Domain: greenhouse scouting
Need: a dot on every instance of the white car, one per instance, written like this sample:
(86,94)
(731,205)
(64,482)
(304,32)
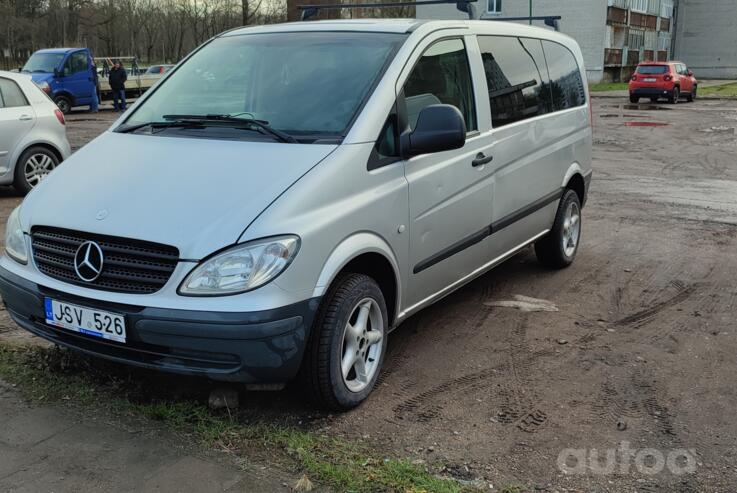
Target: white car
(33,137)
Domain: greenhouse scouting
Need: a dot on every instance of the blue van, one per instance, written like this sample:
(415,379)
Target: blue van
(67,75)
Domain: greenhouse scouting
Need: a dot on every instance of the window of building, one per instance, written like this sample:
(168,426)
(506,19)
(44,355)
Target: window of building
(636,39)
(11,95)
(442,76)
(516,77)
(494,6)
(566,85)
(639,5)
(666,9)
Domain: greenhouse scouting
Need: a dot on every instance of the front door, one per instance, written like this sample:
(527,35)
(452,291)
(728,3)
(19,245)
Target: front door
(449,195)
(16,120)
(78,77)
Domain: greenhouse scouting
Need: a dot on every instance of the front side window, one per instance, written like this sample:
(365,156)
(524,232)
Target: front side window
(306,84)
(441,76)
(10,94)
(566,84)
(494,6)
(516,77)
(77,62)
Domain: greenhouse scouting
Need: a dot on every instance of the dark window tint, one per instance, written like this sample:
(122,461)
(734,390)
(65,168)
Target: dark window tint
(77,62)
(652,69)
(517,78)
(566,84)
(11,95)
(441,76)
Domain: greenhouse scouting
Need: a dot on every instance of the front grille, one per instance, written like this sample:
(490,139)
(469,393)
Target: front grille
(130,266)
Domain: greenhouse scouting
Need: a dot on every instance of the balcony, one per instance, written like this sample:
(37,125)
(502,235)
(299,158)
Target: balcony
(612,57)
(616,15)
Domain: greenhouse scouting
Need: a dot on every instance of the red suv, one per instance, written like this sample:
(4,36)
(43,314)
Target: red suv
(655,80)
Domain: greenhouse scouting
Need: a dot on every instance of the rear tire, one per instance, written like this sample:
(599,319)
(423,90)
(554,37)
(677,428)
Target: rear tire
(64,104)
(558,249)
(349,332)
(32,167)
(634,99)
(673,99)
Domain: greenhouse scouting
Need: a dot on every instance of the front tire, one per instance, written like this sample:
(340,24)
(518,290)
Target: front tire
(347,345)
(32,167)
(558,249)
(692,96)
(64,104)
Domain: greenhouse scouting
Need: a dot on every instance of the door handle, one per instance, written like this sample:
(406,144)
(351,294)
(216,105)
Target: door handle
(24,118)
(481,160)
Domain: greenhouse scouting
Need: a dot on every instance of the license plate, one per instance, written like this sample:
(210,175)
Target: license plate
(650,79)
(90,321)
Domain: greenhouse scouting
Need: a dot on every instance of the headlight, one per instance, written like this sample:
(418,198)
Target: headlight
(241,268)
(15,241)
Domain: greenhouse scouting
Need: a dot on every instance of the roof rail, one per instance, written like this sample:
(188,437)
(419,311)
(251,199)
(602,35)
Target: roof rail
(309,11)
(550,20)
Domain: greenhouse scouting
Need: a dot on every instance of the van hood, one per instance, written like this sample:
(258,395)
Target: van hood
(195,194)
(39,77)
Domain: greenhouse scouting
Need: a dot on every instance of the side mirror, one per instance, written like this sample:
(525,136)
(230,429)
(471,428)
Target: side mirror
(58,73)
(440,127)
(690,72)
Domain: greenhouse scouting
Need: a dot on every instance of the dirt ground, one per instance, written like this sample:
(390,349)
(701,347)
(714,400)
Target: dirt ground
(639,355)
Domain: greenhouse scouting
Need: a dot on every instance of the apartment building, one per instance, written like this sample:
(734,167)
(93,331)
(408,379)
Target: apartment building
(706,37)
(615,35)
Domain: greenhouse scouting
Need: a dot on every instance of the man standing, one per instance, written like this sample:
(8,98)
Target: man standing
(95,103)
(117,79)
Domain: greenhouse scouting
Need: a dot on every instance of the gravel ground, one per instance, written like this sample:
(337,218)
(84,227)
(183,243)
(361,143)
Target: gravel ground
(639,355)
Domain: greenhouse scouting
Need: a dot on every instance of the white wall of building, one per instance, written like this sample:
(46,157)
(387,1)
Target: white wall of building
(584,20)
(706,37)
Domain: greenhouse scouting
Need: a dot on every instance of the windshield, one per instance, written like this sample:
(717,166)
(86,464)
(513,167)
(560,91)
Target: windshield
(652,69)
(303,83)
(43,62)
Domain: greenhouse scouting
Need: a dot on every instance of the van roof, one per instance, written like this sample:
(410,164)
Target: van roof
(58,50)
(393,26)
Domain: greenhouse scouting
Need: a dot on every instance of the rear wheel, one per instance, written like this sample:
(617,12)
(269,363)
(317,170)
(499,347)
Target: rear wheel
(32,167)
(64,104)
(558,249)
(347,346)
(675,96)
(634,99)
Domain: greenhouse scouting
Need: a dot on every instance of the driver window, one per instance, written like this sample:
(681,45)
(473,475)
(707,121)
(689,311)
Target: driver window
(77,62)
(441,76)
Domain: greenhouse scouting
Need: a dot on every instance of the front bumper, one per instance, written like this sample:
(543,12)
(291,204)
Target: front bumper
(251,347)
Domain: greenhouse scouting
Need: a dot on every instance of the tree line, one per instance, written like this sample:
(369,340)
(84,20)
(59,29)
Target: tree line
(152,30)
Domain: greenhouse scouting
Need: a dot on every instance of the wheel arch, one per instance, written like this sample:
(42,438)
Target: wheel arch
(27,145)
(574,180)
(369,254)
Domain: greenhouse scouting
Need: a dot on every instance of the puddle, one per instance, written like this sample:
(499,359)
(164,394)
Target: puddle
(525,304)
(639,107)
(719,129)
(645,124)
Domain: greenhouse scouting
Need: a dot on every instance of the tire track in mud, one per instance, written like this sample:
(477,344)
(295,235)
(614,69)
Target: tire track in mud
(509,383)
(647,314)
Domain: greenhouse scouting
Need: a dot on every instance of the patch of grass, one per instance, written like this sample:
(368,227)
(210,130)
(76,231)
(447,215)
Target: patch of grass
(725,90)
(512,488)
(608,86)
(48,375)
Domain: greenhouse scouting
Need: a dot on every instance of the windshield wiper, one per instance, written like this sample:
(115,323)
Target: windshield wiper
(204,119)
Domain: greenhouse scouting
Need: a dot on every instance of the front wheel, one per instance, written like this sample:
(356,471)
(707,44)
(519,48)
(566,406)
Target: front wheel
(346,349)
(558,249)
(64,104)
(692,96)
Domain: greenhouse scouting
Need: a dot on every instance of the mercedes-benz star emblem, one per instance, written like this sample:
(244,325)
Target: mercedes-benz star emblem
(88,261)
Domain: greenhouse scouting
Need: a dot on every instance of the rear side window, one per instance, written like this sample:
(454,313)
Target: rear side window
(566,84)
(516,77)
(442,76)
(10,94)
(652,69)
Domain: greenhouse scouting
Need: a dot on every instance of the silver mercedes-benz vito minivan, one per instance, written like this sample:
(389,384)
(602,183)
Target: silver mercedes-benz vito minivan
(289,194)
